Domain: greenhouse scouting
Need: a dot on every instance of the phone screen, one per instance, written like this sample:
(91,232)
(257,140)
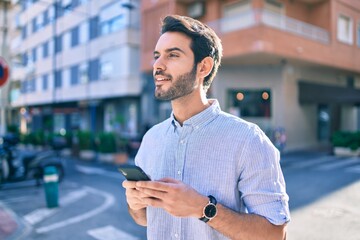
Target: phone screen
(133,173)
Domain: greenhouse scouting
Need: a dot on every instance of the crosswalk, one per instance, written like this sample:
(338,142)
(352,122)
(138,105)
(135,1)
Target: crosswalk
(326,163)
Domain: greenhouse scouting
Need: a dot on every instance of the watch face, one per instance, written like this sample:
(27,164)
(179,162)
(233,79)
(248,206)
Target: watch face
(210,211)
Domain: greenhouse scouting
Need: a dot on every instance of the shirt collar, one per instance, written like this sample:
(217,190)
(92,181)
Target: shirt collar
(201,118)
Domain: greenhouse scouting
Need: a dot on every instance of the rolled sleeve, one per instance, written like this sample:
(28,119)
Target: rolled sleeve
(261,181)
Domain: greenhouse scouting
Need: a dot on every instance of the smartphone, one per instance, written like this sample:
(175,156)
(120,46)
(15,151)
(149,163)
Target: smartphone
(133,173)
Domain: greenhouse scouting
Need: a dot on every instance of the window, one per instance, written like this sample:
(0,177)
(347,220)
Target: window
(24,59)
(23,87)
(345,29)
(237,15)
(74,75)
(34,25)
(24,32)
(32,85)
(74,36)
(58,44)
(113,25)
(45,48)
(106,69)
(46,19)
(34,55)
(250,103)
(94,28)
(113,17)
(59,11)
(45,81)
(58,79)
(94,69)
(51,13)
(75,3)
(67,6)
(274,6)
(83,73)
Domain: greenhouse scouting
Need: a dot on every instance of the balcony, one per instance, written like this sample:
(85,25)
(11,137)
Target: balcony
(264,17)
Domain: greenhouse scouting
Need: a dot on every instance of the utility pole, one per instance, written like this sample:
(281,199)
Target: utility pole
(4,53)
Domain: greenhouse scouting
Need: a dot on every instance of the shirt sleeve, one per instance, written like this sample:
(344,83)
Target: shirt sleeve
(261,183)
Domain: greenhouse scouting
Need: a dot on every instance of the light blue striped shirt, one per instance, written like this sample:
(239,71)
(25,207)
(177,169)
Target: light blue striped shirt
(219,154)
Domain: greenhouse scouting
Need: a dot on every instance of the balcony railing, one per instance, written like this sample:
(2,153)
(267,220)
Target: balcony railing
(265,17)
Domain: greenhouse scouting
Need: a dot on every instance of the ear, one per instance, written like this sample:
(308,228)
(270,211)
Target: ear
(205,67)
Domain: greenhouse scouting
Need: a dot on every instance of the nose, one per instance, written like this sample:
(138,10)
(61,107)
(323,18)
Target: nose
(159,64)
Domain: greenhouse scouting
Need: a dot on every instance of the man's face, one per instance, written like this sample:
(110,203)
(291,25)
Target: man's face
(174,70)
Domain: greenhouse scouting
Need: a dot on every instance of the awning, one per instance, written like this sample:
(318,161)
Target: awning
(320,93)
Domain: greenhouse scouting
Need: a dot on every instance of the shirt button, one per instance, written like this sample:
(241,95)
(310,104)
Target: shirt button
(182,141)
(179,172)
(176,235)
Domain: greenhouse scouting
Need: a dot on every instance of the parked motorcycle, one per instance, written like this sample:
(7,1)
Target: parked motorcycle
(19,165)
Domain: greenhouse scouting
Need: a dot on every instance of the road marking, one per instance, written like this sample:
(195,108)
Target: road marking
(39,215)
(337,164)
(99,171)
(110,233)
(109,201)
(89,170)
(311,162)
(354,169)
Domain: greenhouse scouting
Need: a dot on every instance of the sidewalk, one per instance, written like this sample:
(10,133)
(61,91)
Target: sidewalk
(11,227)
(295,156)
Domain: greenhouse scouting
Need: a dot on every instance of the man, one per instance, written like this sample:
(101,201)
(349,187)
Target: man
(215,176)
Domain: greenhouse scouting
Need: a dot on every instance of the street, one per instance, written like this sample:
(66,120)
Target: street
(324,195)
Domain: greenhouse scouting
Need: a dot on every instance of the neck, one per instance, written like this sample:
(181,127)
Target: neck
(188,106)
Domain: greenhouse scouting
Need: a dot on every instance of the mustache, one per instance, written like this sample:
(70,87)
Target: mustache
(161,73)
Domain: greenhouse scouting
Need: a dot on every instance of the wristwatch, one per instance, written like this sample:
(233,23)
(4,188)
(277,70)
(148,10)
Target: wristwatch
(209,211)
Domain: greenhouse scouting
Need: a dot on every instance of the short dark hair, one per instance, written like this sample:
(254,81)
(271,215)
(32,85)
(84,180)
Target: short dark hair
(204,41)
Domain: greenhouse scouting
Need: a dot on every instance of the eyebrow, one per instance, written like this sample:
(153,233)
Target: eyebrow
(170,50)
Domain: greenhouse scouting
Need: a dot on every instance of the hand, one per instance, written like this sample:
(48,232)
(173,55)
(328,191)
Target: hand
(134,198)
(173,196)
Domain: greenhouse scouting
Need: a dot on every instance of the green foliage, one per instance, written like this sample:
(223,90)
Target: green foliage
(107,142)
(346,139)
(13,129)
(85,139)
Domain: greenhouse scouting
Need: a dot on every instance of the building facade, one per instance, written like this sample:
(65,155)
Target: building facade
(76,66)
(291,66)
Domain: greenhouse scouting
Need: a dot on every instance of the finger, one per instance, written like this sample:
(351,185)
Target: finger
(129,184)
(153,193)
(154,185)
(169,180)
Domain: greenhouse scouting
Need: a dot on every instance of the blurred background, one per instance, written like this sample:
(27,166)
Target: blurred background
(76,75)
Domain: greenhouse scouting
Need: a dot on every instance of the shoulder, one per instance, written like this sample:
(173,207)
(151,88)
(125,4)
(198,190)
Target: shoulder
(158,129)
(238,125)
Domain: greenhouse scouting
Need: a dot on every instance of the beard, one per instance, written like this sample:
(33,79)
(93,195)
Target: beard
(182,86)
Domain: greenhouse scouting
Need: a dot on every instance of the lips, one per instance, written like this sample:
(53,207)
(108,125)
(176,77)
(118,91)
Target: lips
(161,78)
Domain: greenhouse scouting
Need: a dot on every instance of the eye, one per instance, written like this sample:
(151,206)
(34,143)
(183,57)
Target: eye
(172,55)
(156,57)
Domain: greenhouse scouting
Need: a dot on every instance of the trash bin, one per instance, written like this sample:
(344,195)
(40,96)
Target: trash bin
(51,186)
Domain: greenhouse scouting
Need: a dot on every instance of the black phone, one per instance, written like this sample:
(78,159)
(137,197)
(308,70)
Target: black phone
(133,173)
